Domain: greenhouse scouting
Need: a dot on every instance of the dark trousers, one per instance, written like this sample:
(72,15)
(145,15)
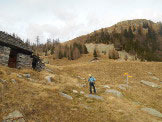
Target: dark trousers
(92,85)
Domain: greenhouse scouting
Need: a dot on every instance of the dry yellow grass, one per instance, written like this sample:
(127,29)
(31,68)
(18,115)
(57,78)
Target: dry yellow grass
(40,101)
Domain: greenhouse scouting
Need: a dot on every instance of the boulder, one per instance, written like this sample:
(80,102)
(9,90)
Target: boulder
(152,112)
(75,91)
(114,92)
(106,86)
(94,96)
(49,70)
(150,73)
(46,61)
(13,80)
(85,106)
(32,80)
(136,103)
(1,80)
(48,78)
(65,95)
(83,85)
(18,75)
(15,116)
(81,78)
(26,75)
(151,84)
(123,86)
(81,92)
(155,78)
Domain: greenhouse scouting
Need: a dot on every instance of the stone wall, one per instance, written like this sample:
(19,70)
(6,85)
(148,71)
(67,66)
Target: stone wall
(4,55)
(24,61)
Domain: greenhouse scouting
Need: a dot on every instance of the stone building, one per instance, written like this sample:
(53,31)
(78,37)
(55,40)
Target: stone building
(15,53)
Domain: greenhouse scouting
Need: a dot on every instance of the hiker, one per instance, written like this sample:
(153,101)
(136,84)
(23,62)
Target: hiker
(91,83)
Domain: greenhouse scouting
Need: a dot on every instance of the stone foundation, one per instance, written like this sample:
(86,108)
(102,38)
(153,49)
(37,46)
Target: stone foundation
(4,55)
(24,61)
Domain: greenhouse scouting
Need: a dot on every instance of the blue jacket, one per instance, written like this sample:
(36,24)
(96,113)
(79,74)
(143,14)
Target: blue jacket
(91,79)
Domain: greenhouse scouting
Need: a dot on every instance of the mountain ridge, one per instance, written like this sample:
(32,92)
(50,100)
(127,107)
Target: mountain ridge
(125,34)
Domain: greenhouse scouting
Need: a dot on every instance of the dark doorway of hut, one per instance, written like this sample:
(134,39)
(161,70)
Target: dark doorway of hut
(12,59)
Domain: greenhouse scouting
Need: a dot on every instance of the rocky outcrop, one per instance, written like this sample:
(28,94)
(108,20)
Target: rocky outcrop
(114,92)
(152,111)
(151,84)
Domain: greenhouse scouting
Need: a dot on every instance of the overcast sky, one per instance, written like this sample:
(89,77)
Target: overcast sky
(67,19)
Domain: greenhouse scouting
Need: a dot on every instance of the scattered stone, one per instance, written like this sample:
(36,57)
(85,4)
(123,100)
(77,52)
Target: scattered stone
(86,107)
(82,85)
(49,78)
(111,97)
(13,80)
(94,59)
(106,86)
(46,61)
(26,75)
(150,73)
(114,92)
(137,103)
(152,112)
(121,111)
(75,91)
(78,76)
(160,81)
(49,70)
(74,109)
(123,86)
(94,96)
(155,78)
(31,79)
(1,80)
(81,78)
(148,83)
(15,116)
(65,95)
(18,75)
(81,92)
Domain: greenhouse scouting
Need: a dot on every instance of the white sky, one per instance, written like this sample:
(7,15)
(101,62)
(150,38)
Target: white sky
(67,19)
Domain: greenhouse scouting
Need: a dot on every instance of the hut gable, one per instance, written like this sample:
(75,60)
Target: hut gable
(14,52)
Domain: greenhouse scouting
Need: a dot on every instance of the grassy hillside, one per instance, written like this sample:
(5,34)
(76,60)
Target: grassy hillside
(138,37)
(40,100)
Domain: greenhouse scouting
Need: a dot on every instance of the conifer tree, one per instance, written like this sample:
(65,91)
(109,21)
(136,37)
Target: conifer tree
(160,30)
(52,50)
(95,54)
(85,49)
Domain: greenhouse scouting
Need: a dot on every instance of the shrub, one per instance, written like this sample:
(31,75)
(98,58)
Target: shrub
(95,53)
(126,58)
(113,54)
